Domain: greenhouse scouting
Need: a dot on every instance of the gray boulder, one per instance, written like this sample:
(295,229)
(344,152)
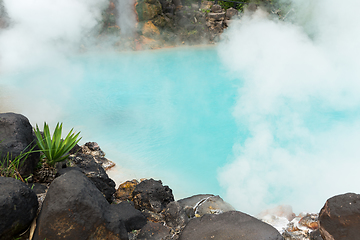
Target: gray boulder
(206,204)
(75,209)
(18,206)
(16,136)
(228,226)
(340,217)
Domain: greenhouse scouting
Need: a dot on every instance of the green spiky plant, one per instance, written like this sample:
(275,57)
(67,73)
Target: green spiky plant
(55,149)
(10,167)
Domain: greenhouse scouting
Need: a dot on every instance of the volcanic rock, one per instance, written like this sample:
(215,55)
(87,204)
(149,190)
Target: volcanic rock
(147,10)
(216,8)
(231,12)
(150,30)
(175,215)
(18,206)
(16,136)
(132,218)
(152,195)
(216,16)
(125,190)
(154,231)
(340,217)
(229,225)
(206,204)
(75,209)
(316,235)
(95,172)
(206,5)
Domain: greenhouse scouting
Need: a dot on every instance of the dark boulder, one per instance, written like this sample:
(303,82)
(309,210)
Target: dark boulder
(154,231)
(316,235)
(75,209)
(38,188)
(152,195)
(340,217)
(228,226)
(132,218)
(18,206)
(16,137)
(96,173)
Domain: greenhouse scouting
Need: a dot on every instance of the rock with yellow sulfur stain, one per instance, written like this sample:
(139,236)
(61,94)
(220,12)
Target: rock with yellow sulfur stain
(150,30)
(125,190)
(147,10)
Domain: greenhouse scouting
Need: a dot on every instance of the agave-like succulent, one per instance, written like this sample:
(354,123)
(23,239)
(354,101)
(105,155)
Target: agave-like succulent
(55,149)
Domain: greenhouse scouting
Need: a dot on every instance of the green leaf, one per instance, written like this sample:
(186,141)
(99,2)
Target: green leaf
(55,148)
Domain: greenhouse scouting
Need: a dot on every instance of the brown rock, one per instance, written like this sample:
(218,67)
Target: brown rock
(216,16)
(206,5)
(125,190)
(147,11)
(216,8)
(231,12)
(340,218)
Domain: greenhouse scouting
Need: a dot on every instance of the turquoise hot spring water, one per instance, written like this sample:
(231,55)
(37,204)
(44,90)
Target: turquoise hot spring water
(171,115)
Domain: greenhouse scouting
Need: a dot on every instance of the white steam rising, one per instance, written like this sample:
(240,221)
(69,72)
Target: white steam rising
(299,101)
(127,17)
(41,34)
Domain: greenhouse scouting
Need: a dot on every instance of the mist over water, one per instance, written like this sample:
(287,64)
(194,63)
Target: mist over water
(300,105)
(127,17)
(271,114)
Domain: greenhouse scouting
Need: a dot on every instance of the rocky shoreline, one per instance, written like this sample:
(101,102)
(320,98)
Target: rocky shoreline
(79,201)
(158,24)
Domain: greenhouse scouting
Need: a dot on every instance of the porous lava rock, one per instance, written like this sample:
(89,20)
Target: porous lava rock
(152,195)
(228,226)
(340,217)
(154,231)
(316,235)
(95,172)
(75,209)
(175,215)
(16,136)
(125,190)
(147,9)
(18,206)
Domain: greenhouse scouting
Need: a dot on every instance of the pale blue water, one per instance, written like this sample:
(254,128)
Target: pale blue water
(165,114)
(168,114)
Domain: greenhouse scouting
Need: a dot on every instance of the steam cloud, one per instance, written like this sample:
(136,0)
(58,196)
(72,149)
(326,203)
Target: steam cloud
(127,17)
(299,100)
(41,35)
